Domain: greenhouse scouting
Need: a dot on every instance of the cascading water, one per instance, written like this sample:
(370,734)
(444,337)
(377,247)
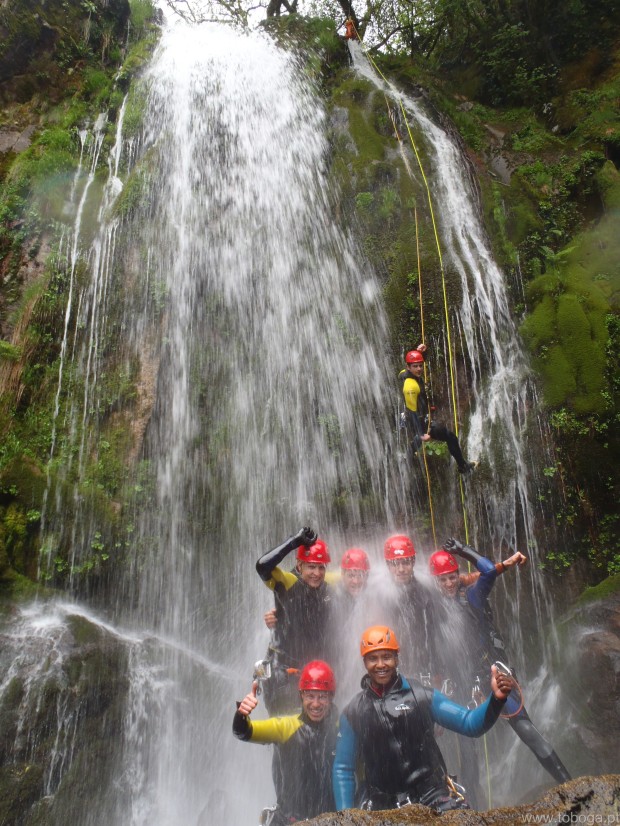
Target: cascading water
(256,339)
(500,501)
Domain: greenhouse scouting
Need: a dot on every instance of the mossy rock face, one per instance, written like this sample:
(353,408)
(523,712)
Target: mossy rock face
(602,591)
(77,671)
(567,326)
(39,41)
(21,785)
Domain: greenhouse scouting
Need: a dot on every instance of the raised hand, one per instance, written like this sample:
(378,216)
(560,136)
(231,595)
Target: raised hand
(250,701)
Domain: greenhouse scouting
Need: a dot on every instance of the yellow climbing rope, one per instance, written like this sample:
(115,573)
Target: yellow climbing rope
(443,284)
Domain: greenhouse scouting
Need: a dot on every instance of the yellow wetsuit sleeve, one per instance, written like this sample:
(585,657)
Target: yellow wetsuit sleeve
(411,391)
(275,729)
(280,577)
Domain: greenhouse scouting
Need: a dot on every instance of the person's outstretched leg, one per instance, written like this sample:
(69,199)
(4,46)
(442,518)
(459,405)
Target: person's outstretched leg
(533,739)
(440,432)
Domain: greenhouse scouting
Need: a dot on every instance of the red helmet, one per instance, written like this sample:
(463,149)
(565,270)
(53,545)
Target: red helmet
(398,546)
(318,553)
(355,559)
(378,638)
(317,676)
(414,357)
(441,562)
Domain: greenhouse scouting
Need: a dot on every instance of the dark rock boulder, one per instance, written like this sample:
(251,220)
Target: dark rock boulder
(583,800)
(591,674)
(62,706)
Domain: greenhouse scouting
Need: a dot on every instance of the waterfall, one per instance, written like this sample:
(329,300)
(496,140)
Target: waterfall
(247,344)
(502,433)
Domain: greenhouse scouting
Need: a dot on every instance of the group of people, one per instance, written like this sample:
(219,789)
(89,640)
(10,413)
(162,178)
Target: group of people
(432,658)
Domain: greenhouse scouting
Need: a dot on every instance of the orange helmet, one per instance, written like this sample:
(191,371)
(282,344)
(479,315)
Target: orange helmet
(398,546)
(378,638)
(317,553)
(355,559)
(442,562)
(317,676)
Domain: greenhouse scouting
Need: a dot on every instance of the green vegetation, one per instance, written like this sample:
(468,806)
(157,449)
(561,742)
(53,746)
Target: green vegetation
(81,78)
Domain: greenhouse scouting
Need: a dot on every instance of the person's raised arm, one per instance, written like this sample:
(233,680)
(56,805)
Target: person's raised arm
(242,727)
(478,594)
(270,560)
(517,559)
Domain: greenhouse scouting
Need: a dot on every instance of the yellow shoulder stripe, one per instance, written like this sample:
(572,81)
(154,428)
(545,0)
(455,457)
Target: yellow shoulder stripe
(275,730)
(285,578)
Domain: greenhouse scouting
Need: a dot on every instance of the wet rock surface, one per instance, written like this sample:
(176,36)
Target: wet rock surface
(591,676)
(584,800)
(62,700)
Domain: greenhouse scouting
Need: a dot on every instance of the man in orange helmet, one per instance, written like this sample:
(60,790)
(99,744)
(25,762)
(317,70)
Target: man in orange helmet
(302,604)
(386,733)
(304,745)
(417,411)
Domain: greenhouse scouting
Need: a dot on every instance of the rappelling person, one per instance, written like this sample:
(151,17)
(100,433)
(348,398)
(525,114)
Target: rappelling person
(387,755)
(420,427)
(304,745)
(470,642)
(405,604)
(350,32)
(302,600)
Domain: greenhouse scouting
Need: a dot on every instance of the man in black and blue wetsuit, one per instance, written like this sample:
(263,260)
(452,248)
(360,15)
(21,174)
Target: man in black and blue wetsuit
(302,602)
(469,642)
(387,735)
(304,745)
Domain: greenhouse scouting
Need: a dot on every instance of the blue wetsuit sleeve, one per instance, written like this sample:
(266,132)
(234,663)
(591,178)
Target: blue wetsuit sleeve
(470,722)
(478,594)
(343,773)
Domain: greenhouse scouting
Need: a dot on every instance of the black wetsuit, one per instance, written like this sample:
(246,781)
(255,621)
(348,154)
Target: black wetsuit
(408,609)
(302,762)
(390,736)
(466,623)
(301,630)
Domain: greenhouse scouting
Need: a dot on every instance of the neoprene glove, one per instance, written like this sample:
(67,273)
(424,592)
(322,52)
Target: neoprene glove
(453,546)
(306,536)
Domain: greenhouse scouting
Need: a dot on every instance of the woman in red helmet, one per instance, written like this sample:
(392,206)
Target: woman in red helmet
(469,641)
(387,755)
(417,411)
(304,745)
(302,602)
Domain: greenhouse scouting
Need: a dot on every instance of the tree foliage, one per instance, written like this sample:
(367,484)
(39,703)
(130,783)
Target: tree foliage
(518,46)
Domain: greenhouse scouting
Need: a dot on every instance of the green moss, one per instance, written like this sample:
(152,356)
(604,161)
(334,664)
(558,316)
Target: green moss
(604,589)
(8,351)
(608,181)
(133,194)
(558,374)
(539,327)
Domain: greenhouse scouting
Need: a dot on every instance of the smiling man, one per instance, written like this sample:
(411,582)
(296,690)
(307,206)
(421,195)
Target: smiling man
(302,601)
(387,734)
(304,745)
